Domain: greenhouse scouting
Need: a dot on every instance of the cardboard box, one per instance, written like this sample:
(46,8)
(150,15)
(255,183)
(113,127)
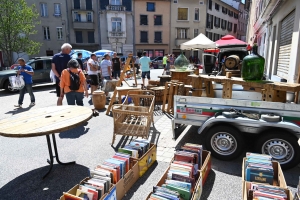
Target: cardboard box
(147,159)
(279,179)
(206,165)
(247,187)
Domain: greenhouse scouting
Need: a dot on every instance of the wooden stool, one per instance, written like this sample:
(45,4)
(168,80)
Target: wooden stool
(99,99)
(164,79)
(159,95)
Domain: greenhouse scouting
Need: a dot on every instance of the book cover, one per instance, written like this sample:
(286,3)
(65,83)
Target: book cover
(90,190)
(68,196)
(184,194)
(84,195)
(178,177)
(112,170)
(114,166)
(184,185)
(126,160)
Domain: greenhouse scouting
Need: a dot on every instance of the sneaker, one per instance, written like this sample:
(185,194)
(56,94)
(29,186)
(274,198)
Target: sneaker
(32,104)
(18,106)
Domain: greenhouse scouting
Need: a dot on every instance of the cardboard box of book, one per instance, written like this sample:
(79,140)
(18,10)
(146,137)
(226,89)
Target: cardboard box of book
(206,165)
(265,192)
(147,159)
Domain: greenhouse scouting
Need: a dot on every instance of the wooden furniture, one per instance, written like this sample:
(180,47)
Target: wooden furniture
(99,99)
(181,76)
(110,85)
(134,116)
(122,91)
(171,88)
(271,91)
(159,95)
(163,79)
(122,78)
(45,121)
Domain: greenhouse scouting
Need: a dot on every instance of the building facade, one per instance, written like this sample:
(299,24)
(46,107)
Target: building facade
(276,31)
(152,27)
(83,24)
(116,25)
(188,19)
(222,19)
(52,31)
(242,22)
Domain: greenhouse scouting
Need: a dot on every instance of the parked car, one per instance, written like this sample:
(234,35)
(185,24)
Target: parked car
(41,67)
(157,62)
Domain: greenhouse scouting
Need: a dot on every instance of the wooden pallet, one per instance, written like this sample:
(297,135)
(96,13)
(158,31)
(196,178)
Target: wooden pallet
(171,88)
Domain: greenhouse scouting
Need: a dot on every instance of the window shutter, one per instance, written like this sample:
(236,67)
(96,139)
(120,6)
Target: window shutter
(103,4)
(91,38)
(127,4)
(88,4)
(76,4)
(78,35)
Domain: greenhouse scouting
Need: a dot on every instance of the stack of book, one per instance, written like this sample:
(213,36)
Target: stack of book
(266,192)
(182,175)
(136,149)
(259,168)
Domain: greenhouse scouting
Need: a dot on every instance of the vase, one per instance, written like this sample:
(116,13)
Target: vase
(253,66)
(181,63)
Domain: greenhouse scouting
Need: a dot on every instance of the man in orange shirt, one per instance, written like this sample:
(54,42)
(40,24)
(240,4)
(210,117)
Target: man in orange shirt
(73,84)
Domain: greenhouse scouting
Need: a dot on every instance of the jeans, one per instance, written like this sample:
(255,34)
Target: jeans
(28,88)
(73,97)
(117,73)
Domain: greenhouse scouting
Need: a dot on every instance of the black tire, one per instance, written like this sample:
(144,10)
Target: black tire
(8,88)
(228,136)
(283,142)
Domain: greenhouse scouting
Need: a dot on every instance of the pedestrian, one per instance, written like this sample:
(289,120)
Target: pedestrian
(73,84)
(92,68)
(116,62)
(136,65)
(172,60)
(106,69)
(27,72)
(165,58)
(145,67)
(79,57)
(59,63)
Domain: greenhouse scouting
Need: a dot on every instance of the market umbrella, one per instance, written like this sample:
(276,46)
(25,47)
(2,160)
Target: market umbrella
(102,52)
(229,40)
(199,42)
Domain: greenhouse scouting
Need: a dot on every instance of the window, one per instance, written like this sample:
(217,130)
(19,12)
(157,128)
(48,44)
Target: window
(209,4)
(78,35)
(37,65)
(196,14)
(217,22)
(91,38)
(157,20)
(230,13)
(224,10)
(209,35)
(159,53)
(224,24)
(236,16)
(59,33)
(143,19)
(150,7)
(76,4)
(46,32)
(209,23)
(116,24)
(217,7)
(234,28)
(44,10)
(175,1)
(157,37)
(196,32)
(115,2)
(57,10)
(216,36)
(181,33)
(77,17)
(88,5)
(144,36)
(182,14)
(229,28)
(89,17)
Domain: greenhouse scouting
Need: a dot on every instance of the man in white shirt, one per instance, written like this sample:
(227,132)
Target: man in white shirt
(92,68)
(106,68)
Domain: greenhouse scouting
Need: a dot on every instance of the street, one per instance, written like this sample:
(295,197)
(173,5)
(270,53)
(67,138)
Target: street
(23,160)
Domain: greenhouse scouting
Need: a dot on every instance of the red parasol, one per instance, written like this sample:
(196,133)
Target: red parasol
(211,50)
(229,40)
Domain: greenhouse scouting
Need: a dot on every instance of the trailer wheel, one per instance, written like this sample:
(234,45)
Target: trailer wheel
(283,148)
(225,143)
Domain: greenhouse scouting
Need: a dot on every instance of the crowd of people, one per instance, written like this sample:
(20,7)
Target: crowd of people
(70,80)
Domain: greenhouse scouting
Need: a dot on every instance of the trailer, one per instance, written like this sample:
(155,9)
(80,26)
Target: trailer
(228,123)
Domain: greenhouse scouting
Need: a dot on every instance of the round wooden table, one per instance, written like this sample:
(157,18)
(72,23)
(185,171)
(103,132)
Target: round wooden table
(45,121)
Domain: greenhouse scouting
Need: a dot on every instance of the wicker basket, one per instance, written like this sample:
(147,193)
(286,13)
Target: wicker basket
(134,116)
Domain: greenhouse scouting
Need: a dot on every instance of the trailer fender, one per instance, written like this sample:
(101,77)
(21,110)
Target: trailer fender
(212,121)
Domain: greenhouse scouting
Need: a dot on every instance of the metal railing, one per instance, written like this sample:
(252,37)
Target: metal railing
(116,8)
(116,33)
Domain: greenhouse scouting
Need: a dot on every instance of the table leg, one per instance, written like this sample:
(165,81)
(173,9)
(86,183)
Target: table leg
(51,154)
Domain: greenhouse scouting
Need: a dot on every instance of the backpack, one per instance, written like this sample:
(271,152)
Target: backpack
(74,80)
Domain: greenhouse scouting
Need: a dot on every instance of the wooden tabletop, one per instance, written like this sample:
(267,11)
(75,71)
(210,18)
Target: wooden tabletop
(127,88)
(44,121)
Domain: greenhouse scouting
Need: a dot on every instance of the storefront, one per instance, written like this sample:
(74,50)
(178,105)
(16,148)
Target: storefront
(153,51)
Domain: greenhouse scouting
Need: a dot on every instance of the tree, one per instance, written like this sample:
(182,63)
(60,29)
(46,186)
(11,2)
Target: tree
(17,23)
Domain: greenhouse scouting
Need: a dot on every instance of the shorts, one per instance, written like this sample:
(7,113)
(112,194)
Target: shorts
(94,79)
(144,74)
(107,77)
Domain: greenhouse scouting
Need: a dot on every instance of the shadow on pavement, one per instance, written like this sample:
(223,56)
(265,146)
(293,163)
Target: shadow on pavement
(75,132)
(18,110)
(207,185)
(31,185)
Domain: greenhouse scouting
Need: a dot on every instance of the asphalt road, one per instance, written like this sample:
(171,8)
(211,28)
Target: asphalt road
(23,160)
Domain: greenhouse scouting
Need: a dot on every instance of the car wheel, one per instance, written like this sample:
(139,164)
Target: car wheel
(283,148)
(225,143)
(8,87)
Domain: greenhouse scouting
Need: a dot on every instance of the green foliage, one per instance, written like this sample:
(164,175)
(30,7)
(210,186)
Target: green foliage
(17,23)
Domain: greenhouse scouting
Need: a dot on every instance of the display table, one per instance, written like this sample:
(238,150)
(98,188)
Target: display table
(181,76)
(45,121)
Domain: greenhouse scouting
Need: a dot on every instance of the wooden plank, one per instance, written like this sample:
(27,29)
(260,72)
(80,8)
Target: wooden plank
(209,89)
(165,96)
(197,86)
(227,90)
(171,93)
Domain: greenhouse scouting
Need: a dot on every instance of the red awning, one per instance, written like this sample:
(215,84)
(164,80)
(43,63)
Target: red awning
(211,50)
(228,40)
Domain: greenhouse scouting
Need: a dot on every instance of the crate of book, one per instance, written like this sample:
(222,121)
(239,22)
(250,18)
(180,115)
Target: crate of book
(256,191)
(297,195)
(142,151)
(184,177)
